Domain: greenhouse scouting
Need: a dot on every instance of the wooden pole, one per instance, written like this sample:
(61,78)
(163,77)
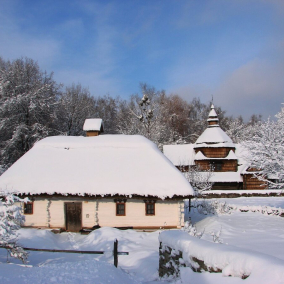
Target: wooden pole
(115,256)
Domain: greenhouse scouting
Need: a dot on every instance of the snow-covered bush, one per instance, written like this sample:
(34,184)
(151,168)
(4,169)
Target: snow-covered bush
(221,207)
(217,236)
(10,221)
(191,230)
(211,206)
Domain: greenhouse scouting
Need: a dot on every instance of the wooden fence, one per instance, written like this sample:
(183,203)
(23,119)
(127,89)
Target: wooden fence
(116,253)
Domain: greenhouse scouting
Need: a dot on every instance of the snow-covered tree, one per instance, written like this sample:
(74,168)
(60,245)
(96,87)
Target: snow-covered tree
(28,99)
(106,108)
(199,179)
(265,151)
(240,131)
(10,221)
(174,116)
(75,105)
(143,115)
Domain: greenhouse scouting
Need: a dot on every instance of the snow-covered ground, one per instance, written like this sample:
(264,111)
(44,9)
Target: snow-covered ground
(249,230)
(45,267)
(252,231)
(246,230)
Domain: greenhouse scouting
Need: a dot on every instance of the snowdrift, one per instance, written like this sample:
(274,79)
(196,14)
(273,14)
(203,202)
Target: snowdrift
(231,260)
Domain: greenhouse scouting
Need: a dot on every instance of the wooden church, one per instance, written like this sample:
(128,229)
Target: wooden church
(214,150)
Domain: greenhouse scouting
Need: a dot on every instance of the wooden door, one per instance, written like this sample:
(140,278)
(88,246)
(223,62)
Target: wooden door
(73,216)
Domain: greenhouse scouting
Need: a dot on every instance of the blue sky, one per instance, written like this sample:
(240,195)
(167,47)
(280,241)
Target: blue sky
(231,49)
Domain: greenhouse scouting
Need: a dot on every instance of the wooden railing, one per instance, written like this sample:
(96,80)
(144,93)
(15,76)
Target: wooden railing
(116,253)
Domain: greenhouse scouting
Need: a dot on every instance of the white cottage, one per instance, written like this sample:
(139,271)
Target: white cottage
(108,180)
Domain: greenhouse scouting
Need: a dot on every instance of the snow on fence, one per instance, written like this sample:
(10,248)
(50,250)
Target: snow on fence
(242,193)
(267,210)
(216,207)
(178,249)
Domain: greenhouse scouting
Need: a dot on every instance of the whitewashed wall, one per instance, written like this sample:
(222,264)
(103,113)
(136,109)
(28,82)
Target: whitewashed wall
(167,213)
(40,217)
(50,213)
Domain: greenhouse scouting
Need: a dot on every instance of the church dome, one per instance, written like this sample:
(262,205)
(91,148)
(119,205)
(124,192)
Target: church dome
(214,135)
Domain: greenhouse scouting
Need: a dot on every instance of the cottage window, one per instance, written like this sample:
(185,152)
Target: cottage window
(120,207)
(28,208)
(149,207)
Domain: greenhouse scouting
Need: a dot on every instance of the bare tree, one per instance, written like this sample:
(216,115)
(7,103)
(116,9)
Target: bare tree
(76,104)
(142,115)
(199,179)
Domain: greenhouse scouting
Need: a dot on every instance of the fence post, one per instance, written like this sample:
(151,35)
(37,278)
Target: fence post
(115,257)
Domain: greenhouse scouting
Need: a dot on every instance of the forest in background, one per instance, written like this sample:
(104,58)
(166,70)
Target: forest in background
(33,106)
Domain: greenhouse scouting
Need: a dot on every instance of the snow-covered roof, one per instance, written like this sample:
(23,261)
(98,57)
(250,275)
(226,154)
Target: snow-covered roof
(241,153)
(180,155)
(231,156)
(213,119)
(213,135)
(218,145)
(184,155)
(93,124)
(212,112)
(101,165)
(200,156)
(226,177)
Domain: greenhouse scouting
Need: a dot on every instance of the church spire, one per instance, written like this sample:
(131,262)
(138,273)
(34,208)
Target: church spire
(213,120)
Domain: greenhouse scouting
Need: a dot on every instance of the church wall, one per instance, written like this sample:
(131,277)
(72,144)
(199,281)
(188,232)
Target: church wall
(219,166)
(227,186)
(213,152)
(251,182)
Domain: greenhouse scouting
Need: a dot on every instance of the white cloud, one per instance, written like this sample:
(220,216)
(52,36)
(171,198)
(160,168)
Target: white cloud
(256,87)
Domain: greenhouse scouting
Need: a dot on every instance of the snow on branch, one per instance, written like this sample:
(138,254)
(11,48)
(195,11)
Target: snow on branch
(11,219)
(265,151)
(199,179)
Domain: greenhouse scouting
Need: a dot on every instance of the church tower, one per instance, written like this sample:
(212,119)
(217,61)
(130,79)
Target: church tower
(214,149)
